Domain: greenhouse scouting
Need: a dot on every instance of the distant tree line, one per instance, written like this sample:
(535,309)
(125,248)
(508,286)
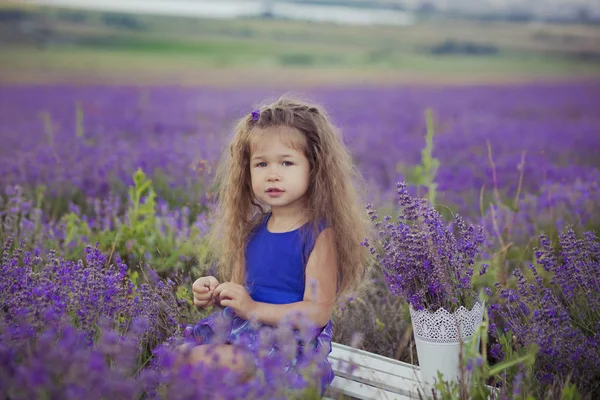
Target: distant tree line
(452,47)
(112,19)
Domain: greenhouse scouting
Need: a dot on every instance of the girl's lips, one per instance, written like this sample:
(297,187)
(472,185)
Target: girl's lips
(274,193)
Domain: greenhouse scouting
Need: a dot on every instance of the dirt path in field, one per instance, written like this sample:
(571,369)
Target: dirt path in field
(263,77)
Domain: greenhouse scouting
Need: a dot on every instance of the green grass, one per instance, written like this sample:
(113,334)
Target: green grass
(178,45)
(160,55)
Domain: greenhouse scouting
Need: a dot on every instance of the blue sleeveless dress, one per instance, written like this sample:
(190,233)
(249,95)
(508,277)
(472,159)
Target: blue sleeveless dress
(275,264)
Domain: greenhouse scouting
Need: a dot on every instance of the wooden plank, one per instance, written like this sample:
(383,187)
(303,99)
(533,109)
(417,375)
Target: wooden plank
(359,390)
(403,369)
(375,362)
(381,379)
(373,370)
(384,382)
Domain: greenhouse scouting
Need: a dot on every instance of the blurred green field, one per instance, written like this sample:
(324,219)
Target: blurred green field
(59,45)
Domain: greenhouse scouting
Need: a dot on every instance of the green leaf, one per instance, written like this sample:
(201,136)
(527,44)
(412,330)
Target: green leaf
(527,358)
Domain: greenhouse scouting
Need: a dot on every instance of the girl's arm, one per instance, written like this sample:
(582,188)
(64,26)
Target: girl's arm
(321,284)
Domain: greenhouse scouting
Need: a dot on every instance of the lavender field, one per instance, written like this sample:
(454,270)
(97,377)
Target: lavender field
(521,161)
(90,139)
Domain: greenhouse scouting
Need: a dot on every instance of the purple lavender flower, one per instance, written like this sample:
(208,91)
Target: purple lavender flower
(426,261)
(559,310)
(84,330)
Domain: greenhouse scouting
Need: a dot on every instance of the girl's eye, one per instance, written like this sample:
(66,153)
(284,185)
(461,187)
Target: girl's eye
(264,164)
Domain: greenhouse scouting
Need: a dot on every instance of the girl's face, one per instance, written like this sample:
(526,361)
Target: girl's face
(279,170)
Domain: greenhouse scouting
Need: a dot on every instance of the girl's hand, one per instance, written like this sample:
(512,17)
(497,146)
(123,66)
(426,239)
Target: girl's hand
(235,296)
(203,290)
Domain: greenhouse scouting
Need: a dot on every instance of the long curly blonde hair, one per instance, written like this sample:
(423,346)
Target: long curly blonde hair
(332,195)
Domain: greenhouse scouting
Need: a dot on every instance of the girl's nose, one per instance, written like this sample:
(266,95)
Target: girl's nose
(273,177)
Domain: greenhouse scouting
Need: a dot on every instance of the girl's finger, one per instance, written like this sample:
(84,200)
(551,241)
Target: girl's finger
(219,289)
(202,289)
(227,303)
(199,303)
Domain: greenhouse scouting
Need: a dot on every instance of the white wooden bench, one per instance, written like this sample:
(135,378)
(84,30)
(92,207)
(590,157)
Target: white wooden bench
(375,376)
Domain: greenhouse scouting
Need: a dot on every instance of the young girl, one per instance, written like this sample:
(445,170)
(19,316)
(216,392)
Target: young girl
(287,233)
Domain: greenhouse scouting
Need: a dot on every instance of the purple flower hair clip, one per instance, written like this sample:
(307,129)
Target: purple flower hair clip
(255,115)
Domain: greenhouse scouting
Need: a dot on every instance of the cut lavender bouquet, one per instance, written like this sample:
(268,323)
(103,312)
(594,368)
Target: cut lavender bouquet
(430,264)
(426,261)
